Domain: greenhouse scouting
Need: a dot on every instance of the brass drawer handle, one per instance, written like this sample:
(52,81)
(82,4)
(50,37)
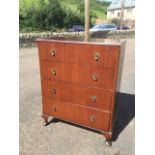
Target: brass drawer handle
(94,77)
(53,91)
(53,52)
(54,109)
(93,98)
(96,56)
(53,71)
(92,118)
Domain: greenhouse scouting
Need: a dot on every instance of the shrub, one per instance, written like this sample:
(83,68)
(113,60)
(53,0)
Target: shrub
(73,18)
(47,15)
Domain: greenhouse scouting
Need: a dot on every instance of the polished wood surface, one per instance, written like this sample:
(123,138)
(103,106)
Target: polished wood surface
(90,75)
(70,112)
(63,53)
(78,82)
(89,96)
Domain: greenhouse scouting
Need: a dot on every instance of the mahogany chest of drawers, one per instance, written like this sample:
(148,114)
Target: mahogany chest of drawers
(78,81)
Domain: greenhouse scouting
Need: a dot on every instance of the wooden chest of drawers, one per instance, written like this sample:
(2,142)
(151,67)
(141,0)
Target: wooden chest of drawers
(78,82)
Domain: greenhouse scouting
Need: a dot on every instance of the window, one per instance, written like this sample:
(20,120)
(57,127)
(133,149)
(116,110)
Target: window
(111,26)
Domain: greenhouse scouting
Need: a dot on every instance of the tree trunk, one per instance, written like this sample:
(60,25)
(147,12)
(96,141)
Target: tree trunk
(87,5)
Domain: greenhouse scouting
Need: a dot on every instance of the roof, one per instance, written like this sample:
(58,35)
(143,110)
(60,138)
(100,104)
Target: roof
(116,4)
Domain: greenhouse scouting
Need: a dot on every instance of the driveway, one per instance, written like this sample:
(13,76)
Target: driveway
(61,138)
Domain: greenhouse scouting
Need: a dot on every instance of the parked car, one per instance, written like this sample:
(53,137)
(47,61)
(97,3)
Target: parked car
(76,28)
(124,27)
(103,27)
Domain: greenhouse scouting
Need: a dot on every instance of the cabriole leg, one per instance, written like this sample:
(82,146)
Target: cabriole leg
(45,117)
(108,137)
(108,142)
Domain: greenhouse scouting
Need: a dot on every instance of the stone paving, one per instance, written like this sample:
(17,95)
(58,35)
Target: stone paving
(61,138)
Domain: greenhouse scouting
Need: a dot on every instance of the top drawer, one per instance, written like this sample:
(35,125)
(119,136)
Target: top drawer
(84,54)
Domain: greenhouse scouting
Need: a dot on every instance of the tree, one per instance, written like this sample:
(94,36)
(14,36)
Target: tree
(55,14)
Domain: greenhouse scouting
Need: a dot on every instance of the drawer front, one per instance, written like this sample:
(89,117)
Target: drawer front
(58,71)
(59,109)
(51,52)
(98,77)
(93,118)
(103,56)
(93,76)
(77,94)
(61,53)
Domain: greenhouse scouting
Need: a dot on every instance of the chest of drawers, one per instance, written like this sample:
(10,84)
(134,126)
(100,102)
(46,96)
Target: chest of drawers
(78,81)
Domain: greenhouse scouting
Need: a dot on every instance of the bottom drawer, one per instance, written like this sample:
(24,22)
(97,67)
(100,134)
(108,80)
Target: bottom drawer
(59,109)
(88,117)
(93,118)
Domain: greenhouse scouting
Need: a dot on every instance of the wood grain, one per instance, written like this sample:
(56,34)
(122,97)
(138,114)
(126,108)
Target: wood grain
(78,74)
(78,94)
(78,81)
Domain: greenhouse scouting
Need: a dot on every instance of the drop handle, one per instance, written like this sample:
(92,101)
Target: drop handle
(53,71)
(92,118)
(53,52)
(96,56)
(93,98)
(53,91)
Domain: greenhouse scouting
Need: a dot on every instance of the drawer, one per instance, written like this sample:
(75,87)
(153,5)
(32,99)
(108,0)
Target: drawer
(59,109)
(93,118)
(103,56)
(97,55)
(85,116)
(51,52)
(58,71)
(77,94)
(94,76)
(60,52)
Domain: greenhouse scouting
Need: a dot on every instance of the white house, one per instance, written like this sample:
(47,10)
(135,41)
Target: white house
(114,10)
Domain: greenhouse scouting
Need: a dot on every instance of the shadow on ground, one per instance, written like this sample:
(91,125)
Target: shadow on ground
(124,113)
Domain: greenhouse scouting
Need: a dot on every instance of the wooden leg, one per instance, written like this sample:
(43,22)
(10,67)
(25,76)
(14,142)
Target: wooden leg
(108,137)
(45,117)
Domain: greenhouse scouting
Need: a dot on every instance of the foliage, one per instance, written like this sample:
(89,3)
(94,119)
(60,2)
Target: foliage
(73,18)
(40,14)
(56,14)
